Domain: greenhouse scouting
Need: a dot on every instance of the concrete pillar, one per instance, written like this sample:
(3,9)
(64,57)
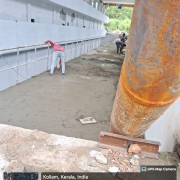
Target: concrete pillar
(77,21)
(97,2)
(90,2)
(150,76)
(100,6)
(104,9)
(28,10)
(94,5)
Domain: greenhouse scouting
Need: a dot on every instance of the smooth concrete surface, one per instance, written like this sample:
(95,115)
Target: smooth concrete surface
(55,104)
(166,129)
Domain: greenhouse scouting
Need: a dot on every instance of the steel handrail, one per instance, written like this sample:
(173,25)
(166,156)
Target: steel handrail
(91,44)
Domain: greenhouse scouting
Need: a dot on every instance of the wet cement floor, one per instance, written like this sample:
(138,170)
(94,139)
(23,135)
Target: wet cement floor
(54,104)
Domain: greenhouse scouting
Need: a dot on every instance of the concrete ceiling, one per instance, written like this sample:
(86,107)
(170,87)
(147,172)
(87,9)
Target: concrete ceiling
(130,2)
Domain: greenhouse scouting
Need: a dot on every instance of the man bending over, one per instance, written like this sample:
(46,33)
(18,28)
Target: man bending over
(58,53)
(120,44)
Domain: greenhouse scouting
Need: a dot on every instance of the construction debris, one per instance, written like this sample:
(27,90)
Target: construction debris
(88,120)
(86,77)
(121,143)
(113,170)
(66,154)
(94,153)
(123,163)
(105,152)
(136,156)
(121,160)
(126,161)
(134,161)
(101,159)
(134,148)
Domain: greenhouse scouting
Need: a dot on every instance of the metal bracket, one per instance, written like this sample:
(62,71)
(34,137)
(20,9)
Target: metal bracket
(122,143)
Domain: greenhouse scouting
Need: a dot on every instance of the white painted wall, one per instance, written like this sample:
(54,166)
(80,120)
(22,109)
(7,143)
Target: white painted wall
(13,10)
(166,129)
(14,33)
(16,29)
(81,7)
(42,12)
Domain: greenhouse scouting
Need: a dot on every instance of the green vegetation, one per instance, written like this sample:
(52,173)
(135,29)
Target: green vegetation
(119,17)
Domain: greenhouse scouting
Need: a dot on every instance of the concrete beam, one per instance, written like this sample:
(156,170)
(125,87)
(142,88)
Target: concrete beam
(125,5)
(131,2)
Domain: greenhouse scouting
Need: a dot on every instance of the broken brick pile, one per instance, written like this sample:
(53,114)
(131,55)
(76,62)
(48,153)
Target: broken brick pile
(122,161)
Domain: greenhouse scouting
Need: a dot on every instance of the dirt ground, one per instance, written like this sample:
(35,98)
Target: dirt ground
(54,104)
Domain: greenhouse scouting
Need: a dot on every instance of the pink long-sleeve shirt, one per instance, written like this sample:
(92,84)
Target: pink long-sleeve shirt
(56,47)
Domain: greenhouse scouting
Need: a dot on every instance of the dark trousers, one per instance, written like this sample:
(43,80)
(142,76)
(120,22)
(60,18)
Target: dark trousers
(119,45)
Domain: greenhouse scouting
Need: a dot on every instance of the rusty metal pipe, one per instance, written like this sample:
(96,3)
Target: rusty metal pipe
(150,76)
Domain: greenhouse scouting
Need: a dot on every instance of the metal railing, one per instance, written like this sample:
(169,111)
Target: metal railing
(80,46)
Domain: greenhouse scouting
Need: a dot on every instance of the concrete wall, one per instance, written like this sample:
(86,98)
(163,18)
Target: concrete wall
(166,129)
(14,33)
(27,22)
(82,7)
(16,17)
(9,77)
(17,29)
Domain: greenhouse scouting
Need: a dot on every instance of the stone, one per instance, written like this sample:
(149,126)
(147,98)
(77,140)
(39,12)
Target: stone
(105,152)
(134,148)
(113,170)
(126,161)
(136,157)
(142,157)
(101,159)
(134,162)
(121,169)
(123,163)
(94,153)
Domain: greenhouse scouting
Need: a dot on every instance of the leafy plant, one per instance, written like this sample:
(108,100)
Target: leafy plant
(119,18)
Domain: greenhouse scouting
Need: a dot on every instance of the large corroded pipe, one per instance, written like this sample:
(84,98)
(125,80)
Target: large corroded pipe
(150,76)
